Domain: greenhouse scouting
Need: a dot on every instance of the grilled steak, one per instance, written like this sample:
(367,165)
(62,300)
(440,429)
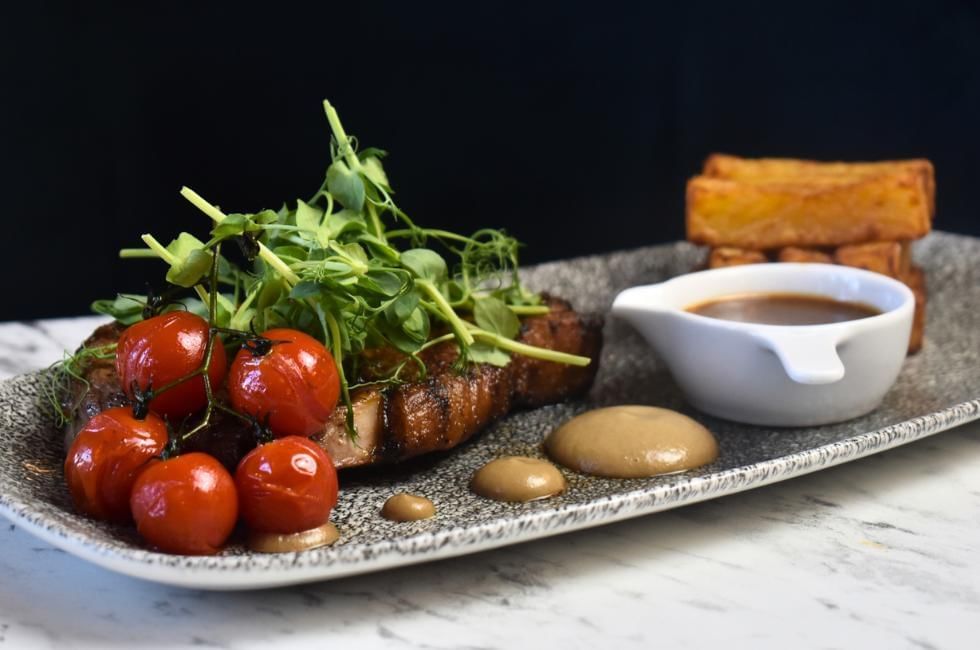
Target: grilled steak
(426,414)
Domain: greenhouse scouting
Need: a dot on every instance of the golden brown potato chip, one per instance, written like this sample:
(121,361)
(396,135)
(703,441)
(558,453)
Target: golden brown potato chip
(728,256)
(790,169)
(915,278)
(806,255)
(811,213)
(883,257)
(905,263)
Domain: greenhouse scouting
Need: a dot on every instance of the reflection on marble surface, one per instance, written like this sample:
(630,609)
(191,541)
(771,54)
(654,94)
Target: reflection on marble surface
(876,553)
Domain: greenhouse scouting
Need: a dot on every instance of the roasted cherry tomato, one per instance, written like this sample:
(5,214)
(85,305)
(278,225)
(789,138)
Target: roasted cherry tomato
(286,486)
(293,387)
(160,350)
(106,457)
(186,504)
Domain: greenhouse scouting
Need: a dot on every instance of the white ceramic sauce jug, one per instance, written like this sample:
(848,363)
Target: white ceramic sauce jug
(776,375)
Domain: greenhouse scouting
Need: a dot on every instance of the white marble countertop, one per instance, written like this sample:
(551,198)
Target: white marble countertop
(878,553)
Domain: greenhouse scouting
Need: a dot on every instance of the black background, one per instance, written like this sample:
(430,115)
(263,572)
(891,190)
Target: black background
(573,126)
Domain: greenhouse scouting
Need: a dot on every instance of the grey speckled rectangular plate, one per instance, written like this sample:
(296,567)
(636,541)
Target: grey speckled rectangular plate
(938,389)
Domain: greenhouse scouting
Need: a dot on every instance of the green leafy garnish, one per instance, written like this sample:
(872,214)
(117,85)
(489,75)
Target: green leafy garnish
(125,308)
(349,267)
(57,381)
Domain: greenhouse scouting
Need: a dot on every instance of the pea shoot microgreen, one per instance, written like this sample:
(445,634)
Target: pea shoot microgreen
(352,269)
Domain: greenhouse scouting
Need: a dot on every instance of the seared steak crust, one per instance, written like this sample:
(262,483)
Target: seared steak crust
(103,390)
(426,414)
(446,409)
(539,382)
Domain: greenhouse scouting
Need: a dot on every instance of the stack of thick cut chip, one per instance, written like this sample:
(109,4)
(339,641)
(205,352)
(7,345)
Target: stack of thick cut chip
(862,214)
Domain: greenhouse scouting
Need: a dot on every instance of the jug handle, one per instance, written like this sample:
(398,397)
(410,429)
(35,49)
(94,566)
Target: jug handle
(806,357)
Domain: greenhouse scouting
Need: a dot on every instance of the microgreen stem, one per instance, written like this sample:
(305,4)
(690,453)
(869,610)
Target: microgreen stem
(136,253)
(346,150)
(201,204)
(280,226)
(428,232)
(530,310)
(436,341)
(218,216)
(446,311)
(226,304)
(168,257)
(158,248)
(376,223)
(338,361)
(532,351)
(276,262)
(239,314)
(213,286)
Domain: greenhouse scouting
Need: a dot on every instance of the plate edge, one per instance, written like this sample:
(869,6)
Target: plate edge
(220,573)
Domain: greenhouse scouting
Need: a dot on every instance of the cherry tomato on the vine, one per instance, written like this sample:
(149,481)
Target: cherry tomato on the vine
(286,486)
(186,504)
(160,350)
(107,456)
(294,386)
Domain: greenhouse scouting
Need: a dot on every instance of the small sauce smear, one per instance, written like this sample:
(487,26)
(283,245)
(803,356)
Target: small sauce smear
(407,507)
(782,309)
(518,478)
(631,442)
(306,539)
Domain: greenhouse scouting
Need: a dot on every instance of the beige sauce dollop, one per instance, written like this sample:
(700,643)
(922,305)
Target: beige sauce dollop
(279,543)
(407,507)
(631,442)
(518,478)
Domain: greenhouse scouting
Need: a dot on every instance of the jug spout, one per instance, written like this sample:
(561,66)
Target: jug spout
(639,303)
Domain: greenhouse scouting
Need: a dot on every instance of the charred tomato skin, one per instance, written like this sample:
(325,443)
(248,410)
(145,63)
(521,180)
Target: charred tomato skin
(286,486)
(105,459)
(293,388)
(159,350)
(186,505)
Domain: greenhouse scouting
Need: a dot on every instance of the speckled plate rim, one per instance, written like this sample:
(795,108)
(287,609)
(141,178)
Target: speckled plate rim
(265,571)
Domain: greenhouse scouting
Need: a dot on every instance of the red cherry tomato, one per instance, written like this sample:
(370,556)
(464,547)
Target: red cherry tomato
(162,349)
(106,457)
(286,486)
(186,504)
(295,386)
